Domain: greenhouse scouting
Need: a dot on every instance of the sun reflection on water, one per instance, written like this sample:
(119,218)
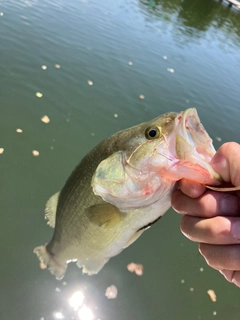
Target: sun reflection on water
(83,311)
(58,315)
(76,300)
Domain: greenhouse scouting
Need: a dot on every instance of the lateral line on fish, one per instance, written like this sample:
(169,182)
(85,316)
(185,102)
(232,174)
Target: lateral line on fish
(223,189)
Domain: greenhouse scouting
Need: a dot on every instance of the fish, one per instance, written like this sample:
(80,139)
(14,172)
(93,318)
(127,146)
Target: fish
(123,186)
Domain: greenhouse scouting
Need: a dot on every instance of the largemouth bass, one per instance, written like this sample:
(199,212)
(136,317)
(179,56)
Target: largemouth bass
(123,186)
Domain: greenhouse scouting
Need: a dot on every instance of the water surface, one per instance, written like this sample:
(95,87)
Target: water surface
(125,47)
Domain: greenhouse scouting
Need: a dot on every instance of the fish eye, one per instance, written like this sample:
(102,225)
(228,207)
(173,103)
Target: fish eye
(152,133)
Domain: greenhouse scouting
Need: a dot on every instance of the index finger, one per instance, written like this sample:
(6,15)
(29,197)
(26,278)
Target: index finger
(226,162)
(208,205)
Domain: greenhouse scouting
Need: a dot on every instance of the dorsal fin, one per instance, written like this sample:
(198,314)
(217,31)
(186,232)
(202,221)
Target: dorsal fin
(51,209)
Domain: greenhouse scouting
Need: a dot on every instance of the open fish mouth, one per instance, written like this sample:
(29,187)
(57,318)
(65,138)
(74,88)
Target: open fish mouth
(194,133)
(193,142)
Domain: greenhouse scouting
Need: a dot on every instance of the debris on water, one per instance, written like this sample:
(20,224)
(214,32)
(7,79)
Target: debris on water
(1,150)
(191,289)
(115,115)
(170,70)
(35,153)
(111,292)
(57,66)
(165,57)
(45,119)
(42,266)
(201,269)
(64,283)
(92,134)
(19,130)
(137,268)
(44,67)
(141,96)
(218,139)
(90,83)
(214,313)
(58,290)
(51,147)
(130,63)
(67,120)
(182,281)
(39,94)
(212,295)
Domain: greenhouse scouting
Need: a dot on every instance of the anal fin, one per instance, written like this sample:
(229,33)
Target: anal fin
(92,266)
(55,267)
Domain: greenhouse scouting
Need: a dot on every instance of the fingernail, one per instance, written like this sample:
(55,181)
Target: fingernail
(230,204)
(236,230)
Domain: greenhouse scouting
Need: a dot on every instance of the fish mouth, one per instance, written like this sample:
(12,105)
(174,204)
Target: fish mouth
(193,142)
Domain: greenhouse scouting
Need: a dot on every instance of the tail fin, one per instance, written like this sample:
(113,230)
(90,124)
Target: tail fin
(48,261)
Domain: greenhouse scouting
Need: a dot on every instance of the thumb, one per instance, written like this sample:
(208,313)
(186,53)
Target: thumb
(226,162)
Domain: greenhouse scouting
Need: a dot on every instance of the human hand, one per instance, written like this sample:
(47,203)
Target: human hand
(213,218)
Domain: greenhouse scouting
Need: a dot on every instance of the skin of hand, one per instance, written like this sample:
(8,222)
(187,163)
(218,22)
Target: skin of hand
(213,218)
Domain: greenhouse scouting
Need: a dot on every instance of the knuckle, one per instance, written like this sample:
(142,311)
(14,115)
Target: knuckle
(203,249)
(187,229)
(184,224)
(228,147)
(176,204)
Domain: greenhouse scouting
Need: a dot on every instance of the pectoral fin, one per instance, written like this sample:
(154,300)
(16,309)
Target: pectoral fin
(104,215)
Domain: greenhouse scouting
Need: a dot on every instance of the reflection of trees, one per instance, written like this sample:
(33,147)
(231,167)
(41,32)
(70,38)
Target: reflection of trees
(168,6)
(157,7)
(196,15)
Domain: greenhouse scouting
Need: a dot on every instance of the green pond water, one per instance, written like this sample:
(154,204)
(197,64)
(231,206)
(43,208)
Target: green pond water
(177,54)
